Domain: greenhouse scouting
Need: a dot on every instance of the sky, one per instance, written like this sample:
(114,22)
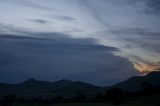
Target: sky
(97,41)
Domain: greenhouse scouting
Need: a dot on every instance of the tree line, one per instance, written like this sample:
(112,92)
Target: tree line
(113,96)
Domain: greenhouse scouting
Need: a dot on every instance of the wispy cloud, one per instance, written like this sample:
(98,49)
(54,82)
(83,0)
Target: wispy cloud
(65,18)
(40,21)
(93,12)
(29,3)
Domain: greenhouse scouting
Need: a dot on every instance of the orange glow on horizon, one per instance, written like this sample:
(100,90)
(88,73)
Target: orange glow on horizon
(146,68)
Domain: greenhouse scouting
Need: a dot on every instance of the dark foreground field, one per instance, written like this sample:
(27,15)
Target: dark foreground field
(89,104)
(153,101)
(84,104)
(138,101)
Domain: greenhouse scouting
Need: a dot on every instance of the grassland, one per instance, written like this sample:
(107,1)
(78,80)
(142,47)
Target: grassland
(128,103)
(87,104)
(141,101)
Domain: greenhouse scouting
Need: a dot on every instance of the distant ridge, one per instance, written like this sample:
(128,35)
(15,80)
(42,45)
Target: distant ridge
(35,87)
(134,83)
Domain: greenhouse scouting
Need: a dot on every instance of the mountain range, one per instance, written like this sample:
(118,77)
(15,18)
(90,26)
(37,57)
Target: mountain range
(134,83)
(35,87)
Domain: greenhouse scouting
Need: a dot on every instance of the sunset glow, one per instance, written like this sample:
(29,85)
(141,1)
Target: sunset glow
(146,68)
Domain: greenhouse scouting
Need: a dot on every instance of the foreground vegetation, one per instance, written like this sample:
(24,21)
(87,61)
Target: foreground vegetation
(130,102)
(137,101)
(148,96)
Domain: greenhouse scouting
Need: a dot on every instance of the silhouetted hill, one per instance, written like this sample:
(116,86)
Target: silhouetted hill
(134,83)
(35,87)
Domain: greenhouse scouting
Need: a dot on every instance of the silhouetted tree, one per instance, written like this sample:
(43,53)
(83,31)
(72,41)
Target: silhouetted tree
(59,99)
(147,91)
(146,88)
(115,95)
(99,97)
(20,100)
(45,102)
(157,103)
(80,97)
(36,99)
(8,100)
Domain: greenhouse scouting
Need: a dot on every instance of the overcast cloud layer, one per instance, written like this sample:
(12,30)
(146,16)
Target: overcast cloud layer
(60,57)
(129,26)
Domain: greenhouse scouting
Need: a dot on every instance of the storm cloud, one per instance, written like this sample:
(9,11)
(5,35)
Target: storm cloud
(60,57)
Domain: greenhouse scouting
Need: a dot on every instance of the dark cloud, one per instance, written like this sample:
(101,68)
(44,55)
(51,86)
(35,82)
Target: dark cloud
(40,21)
(150,6)
(66,18)
(112,71)
(153,5)
(60,57)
